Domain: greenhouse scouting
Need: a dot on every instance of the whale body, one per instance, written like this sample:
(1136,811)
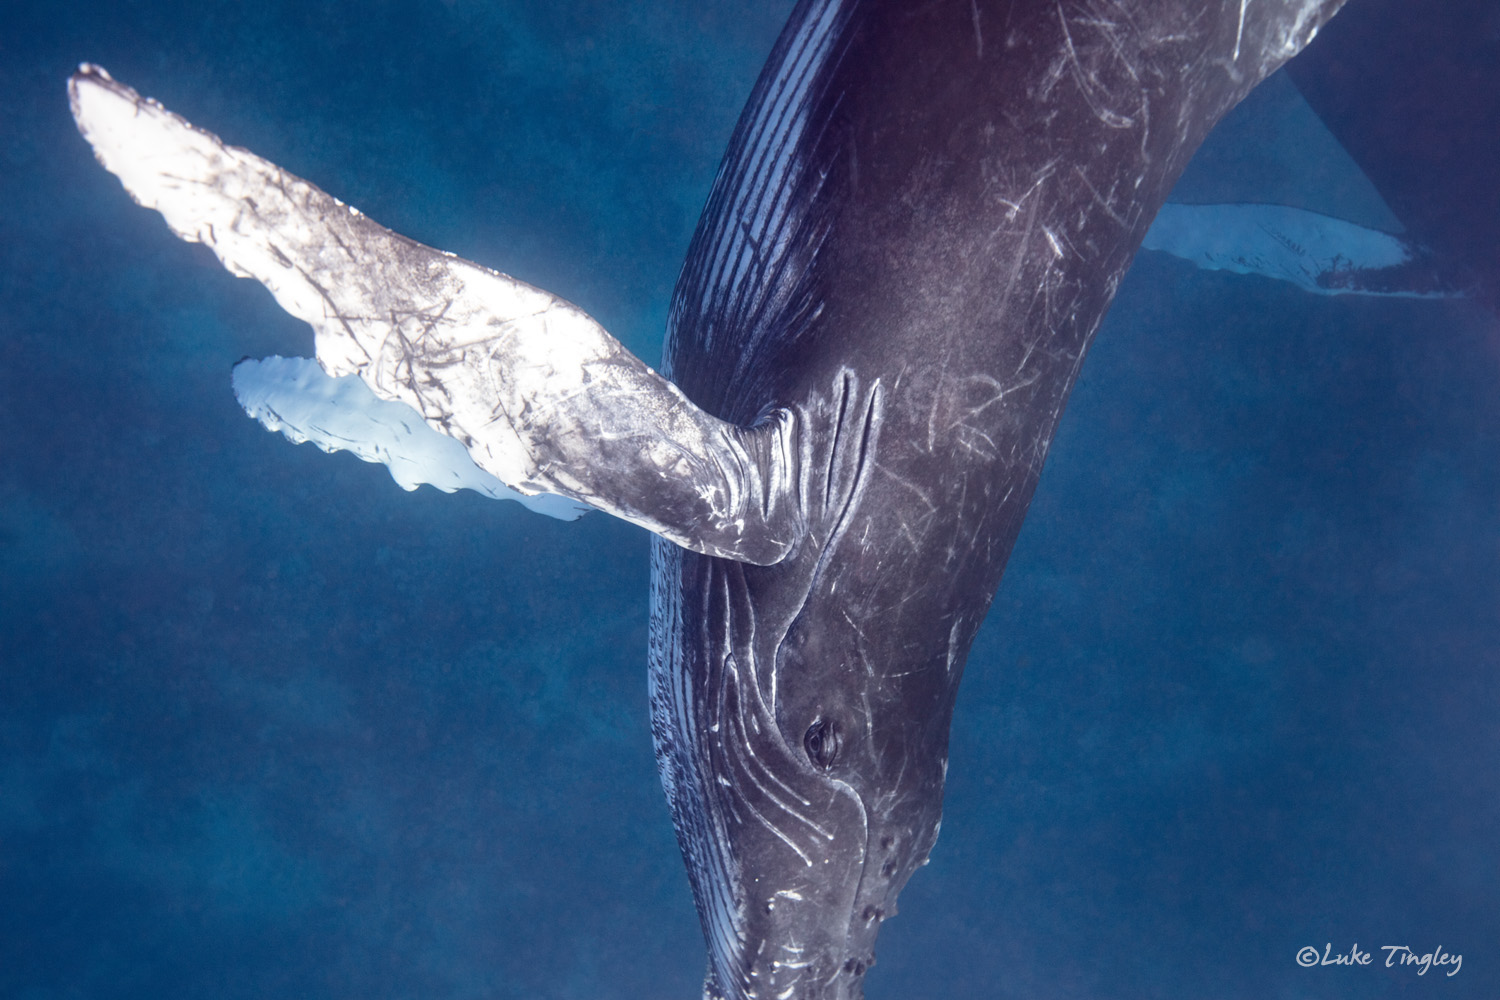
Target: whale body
(922,218)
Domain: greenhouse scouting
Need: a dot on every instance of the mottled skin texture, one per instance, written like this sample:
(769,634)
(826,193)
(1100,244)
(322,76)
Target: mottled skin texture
(970,187)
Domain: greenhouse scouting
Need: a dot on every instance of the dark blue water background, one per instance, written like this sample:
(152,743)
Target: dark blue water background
(270,727)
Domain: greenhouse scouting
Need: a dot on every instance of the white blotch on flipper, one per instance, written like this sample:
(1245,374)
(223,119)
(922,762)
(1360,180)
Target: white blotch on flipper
(295,396)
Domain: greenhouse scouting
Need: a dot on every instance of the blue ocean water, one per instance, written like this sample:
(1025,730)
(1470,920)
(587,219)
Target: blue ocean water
(271,727)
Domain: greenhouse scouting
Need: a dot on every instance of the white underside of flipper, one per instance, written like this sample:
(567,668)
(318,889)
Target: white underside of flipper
(296,397)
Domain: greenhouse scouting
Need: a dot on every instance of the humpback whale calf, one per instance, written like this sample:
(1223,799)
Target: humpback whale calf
(923,214)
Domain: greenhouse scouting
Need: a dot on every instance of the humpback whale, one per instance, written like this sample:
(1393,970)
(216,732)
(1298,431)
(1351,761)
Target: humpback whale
(923,214)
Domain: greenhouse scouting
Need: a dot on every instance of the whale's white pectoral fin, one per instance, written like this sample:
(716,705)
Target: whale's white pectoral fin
(538,393)
(296,397)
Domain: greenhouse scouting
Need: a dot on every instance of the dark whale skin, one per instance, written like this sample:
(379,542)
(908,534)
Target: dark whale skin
(921,220)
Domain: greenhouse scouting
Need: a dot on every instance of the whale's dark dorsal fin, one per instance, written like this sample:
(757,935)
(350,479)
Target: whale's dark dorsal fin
(542,397)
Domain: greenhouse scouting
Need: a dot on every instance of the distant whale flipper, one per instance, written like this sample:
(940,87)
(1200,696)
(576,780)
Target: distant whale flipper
(542,397)
(1315,252)
(1274,194)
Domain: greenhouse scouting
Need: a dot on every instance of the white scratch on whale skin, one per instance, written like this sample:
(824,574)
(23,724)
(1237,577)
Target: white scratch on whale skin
(1057,250)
